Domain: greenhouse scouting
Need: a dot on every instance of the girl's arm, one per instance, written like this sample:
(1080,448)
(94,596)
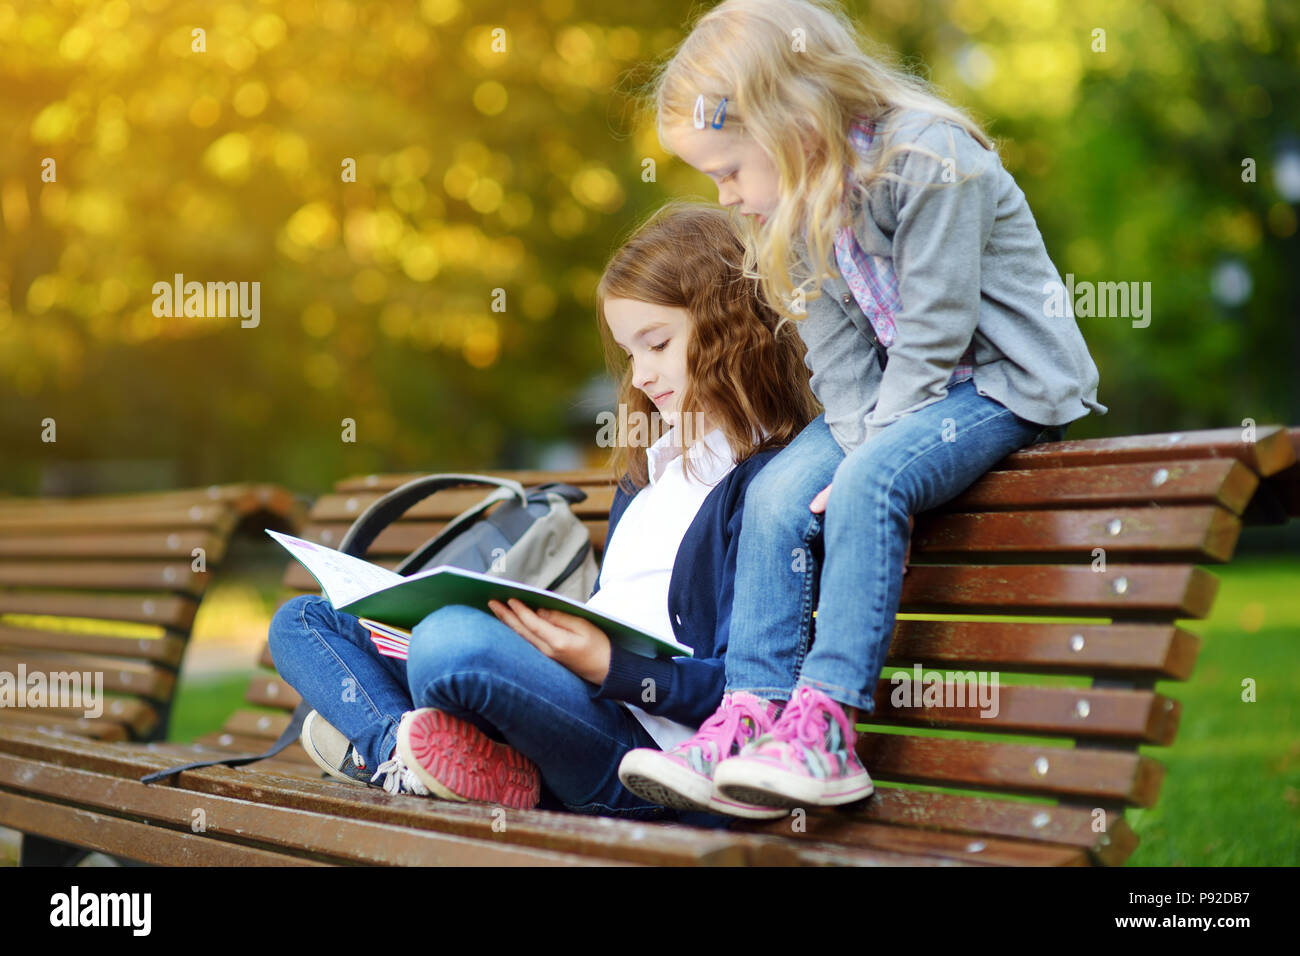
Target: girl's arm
(942,230)
(684,689)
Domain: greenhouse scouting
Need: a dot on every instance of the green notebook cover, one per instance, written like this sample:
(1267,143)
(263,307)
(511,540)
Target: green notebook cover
(368,590)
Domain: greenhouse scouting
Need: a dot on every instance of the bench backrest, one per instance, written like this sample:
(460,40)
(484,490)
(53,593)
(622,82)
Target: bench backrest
(1067,570)
(99,595)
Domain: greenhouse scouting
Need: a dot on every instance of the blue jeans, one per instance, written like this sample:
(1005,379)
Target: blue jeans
(917,463)
(467,663)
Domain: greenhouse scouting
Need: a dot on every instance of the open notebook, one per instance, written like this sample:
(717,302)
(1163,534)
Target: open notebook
(396,603)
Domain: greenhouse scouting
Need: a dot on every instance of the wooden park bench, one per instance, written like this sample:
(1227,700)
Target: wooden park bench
(98,597)
(1044,782)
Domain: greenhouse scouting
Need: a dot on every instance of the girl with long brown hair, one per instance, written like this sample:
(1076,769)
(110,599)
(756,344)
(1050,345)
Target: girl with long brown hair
(494,708)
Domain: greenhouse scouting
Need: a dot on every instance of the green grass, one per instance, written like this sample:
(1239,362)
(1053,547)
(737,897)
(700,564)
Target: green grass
(202,705)
(1231,794)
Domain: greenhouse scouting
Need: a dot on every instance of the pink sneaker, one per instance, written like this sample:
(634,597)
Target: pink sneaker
(683,776)
(808,758)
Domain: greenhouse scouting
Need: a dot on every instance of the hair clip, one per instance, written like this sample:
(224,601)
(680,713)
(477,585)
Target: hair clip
(720,114)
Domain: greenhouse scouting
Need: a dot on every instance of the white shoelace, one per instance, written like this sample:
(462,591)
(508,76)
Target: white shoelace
(400,778)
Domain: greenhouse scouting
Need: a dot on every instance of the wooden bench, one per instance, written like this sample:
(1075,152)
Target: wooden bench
(106,588)
(1045,782)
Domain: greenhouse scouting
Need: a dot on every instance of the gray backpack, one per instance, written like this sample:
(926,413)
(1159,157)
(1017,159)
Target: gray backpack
(532,538)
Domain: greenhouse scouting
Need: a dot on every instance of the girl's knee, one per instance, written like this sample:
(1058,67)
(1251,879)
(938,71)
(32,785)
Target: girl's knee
(286,623)
(455,637)
(864,472)
(773,496)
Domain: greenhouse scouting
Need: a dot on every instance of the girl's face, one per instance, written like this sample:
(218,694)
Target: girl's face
(654,337)
(745,175)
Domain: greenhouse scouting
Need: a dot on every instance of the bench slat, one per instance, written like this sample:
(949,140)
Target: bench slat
(987,850)
(1124,590)
(1128,716)
(130,677)
(134,716)
(242,745)
(166,650)
(106,575)
(830,854)
(250,723)
(172,611)
(1138,651)
(1109,776)
(82,726)
(244,498)
(127,838)
(1271,452)
(1196,533)
(214,518)
(271,690)
(299,832)
(972,816)
(150,544)
(1224,482)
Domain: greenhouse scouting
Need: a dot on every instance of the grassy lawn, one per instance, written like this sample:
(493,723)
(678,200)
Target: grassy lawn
(1231,795)
(1232,792)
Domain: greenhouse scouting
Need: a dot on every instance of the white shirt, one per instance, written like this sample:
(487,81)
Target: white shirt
(638,563)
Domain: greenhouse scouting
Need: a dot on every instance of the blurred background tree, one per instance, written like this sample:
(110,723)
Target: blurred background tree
(480,168)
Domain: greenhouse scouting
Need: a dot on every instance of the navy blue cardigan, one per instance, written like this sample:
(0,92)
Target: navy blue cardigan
(689,689)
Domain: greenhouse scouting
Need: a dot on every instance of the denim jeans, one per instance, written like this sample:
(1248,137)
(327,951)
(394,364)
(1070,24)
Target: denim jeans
(917,463)
(467,663)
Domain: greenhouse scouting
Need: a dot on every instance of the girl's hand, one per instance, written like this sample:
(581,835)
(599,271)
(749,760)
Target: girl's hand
(818,505)
(570,640)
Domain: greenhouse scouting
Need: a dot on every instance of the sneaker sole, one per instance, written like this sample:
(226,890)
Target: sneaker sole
(769,787)
(650,775)
(661,781)
(456,761)
(305,739)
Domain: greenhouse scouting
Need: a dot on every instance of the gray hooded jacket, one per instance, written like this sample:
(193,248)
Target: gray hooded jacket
(972,268)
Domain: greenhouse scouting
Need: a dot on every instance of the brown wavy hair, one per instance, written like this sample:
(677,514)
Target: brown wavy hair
(749,377)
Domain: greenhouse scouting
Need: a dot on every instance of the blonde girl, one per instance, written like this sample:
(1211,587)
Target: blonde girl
(881,221)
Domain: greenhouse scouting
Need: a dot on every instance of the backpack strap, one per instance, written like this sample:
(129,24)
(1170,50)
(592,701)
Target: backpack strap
(289,735)
(415,560)
(391,506)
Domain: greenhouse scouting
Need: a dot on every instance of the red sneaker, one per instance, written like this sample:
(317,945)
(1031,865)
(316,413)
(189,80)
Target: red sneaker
(457,761)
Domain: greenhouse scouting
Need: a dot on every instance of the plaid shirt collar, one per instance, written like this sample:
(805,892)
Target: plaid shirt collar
(871,240)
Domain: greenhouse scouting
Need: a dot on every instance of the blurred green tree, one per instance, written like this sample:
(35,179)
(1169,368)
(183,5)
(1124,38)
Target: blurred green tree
(383,169)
